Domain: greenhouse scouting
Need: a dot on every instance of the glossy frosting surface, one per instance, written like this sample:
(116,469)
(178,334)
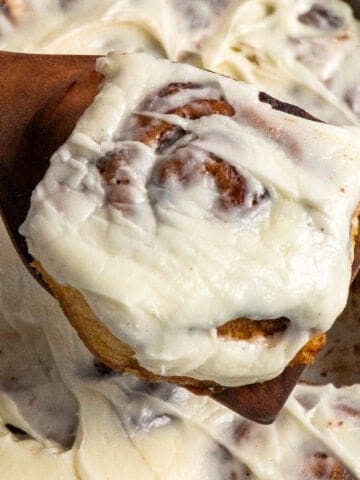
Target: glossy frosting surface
(81,421)
(237,210)
(301,51)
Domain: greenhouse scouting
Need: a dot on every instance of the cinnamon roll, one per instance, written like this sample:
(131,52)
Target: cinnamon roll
(195,229)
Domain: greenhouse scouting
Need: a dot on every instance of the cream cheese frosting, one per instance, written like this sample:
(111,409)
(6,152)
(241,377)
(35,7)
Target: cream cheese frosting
(301,51)
(81,421)
(79,424)
(162,261)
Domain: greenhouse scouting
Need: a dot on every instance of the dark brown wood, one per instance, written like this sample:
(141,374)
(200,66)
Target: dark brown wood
(355,5)
(41,99)
(262,402)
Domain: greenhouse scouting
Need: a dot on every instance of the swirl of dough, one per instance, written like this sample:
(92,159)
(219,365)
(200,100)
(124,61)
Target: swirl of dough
(178,160)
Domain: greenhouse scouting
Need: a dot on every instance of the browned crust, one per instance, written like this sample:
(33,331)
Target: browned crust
(355,233)
(98,338)
(119,356)
(308,353)
(244,328)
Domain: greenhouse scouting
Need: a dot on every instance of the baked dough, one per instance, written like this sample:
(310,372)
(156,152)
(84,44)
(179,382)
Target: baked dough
(205,224)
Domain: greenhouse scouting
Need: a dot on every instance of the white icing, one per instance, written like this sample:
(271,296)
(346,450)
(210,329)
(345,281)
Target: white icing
(163,277)
(260,41)
(56,381)
(129,429)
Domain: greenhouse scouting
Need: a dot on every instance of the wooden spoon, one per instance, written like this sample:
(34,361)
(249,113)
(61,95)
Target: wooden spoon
(41,99)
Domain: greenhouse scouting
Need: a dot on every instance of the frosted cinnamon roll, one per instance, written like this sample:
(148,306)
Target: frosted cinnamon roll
(196,229)
(303,51)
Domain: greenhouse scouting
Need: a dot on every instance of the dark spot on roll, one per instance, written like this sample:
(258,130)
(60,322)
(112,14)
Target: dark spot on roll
(65,4)
(4,7)
(176,87)
(161,390)
(269,9)
(286,107)
(18,432)
(352,98)
(349,410)
(241,431)
(102,369)
(231,468)
(321,465)
(109,166)
(198,14)
(253,59)
(224,453)
(320,455)
(321,17)
(170,136)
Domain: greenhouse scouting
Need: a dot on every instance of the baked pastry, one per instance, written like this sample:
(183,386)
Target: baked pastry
(303,52)
(52,391)
(196,229)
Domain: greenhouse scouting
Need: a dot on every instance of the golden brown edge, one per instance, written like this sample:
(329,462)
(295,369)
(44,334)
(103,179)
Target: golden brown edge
(119,356)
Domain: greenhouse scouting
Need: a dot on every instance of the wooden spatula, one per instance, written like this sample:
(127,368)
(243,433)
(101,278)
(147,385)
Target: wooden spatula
(41,99)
